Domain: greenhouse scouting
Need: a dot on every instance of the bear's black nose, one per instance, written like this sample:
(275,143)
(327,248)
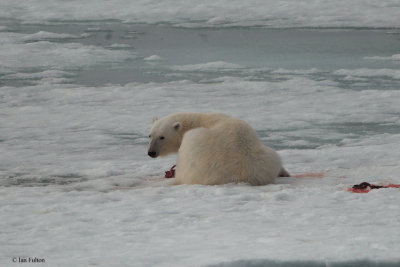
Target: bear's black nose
(152,154)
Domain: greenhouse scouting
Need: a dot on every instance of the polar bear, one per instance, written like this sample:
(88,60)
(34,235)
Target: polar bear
(214,149)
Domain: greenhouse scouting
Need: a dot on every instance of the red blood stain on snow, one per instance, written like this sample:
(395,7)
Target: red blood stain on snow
(310,175)
(366,187)
(358,188)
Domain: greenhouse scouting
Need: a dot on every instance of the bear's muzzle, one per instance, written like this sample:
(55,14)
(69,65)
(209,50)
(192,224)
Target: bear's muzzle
(152,154)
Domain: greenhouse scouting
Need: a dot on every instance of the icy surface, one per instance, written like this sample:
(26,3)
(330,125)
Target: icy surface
(393,57)
(29,51)
(192,13)
(76,103)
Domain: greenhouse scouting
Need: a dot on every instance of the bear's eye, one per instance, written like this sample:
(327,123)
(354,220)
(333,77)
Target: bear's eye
(149,135)
(162,137)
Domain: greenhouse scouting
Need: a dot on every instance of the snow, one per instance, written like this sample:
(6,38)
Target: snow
(202,225)
(364,72)
(38,75)
(107,204)
(393,57)
(286,71)
(154,58)
(209,66)
(43,35)
(16,54)
(120,46)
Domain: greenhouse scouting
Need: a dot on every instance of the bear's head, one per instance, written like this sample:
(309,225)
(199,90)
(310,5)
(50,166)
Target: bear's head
(165,137)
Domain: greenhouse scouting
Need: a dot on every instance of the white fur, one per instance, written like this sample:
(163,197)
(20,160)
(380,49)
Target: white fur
(214,149)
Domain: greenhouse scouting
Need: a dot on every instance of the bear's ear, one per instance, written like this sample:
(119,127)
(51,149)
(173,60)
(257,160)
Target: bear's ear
(154,119)
(176,125)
